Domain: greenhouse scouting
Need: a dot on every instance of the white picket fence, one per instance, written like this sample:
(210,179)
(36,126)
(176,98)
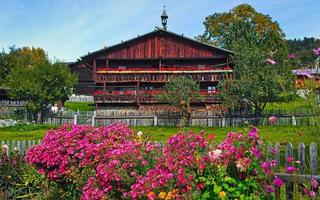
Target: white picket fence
(19,145)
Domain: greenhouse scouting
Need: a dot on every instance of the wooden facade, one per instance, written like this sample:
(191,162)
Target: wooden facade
(134,71)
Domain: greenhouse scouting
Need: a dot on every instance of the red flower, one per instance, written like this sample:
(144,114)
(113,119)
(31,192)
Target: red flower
(211,136)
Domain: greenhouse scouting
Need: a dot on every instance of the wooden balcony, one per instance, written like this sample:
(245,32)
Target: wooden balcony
(159,77)
(146,97)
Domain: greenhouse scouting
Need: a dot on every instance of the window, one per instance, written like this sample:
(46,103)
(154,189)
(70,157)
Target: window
(212,89)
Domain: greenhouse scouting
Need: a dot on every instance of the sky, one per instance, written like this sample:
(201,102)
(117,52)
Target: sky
(69,29)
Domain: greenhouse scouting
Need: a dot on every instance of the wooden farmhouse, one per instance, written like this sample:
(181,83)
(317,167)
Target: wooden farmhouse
(132,72)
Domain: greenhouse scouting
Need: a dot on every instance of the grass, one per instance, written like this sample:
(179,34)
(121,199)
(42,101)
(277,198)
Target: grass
(298,106)
(24,132)
(282,134)
(81,106)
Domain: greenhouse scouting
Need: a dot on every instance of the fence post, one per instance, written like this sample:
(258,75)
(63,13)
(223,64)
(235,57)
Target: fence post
(75,119)
(19,147)
(23,143)
(155,120)
(269,152)
(92,120)
(301,157)
(313,158)
(223,121)
(289,184)
(294,121)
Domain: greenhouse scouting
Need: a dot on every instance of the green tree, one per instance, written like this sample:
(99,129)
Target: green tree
(218,24)
(179,92)
(38,81)
(256,81)
(257,42)
(20,57)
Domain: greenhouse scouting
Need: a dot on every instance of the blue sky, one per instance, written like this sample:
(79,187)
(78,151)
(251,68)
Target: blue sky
(68,29)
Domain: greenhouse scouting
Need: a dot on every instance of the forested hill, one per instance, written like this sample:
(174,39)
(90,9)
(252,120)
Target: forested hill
(303,49)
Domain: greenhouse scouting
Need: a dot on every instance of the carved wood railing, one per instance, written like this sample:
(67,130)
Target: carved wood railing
(160,77)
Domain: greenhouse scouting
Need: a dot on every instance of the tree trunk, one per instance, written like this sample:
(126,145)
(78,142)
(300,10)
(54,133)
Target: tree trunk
(258,112)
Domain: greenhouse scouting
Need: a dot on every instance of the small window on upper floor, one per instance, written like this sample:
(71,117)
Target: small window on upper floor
(212,89)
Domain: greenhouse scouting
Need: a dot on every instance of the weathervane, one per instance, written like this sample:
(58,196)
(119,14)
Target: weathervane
(164,18)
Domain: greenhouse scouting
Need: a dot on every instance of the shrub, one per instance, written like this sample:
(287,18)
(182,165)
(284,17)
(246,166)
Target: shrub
(113,163)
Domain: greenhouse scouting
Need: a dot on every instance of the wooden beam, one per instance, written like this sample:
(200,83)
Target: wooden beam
(104,86)
(107,63)
(94,66)
(138,95)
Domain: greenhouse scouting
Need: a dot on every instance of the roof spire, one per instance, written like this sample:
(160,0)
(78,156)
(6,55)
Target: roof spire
(164,18)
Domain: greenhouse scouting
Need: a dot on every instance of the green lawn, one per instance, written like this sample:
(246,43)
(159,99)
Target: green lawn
(298,106)
(24,132)
(81,106)
(283,134)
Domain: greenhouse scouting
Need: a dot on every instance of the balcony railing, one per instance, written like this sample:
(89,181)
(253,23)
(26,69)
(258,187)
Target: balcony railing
(160,77)
(147,97)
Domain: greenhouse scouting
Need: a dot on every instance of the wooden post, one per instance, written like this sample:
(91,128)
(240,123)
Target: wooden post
(94,67)
(75,117)
(313,150)
(138,93)
(107,62)
(294,121)
(19,147)
(155,120)
(92,120)
(23,145)
(269,152)
(223,121)
(301,157)
(289,184)
(104,86)
(160,64)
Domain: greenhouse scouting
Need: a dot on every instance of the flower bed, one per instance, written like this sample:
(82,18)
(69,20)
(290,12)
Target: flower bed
(114,163)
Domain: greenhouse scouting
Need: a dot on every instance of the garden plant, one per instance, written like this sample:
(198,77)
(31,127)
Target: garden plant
(83,162)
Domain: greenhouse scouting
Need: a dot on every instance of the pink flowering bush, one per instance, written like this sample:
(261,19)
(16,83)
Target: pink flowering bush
(113,163)
(120,168)
(184,157)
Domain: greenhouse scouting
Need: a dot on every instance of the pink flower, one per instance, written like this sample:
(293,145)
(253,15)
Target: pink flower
(316,51)
(272,120)
(312,194)
(292,56)
(314,183)
(291,169)
(269,189)
(253,133)
(271,61)
(290,159)
(277,181)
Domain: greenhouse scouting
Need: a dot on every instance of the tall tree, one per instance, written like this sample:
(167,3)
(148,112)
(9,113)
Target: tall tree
(179,92)
(35,79)
(262,72)
(20,57)
(260,76)
(217,26)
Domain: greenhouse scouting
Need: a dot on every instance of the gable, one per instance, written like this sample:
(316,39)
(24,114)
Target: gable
(160,44)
